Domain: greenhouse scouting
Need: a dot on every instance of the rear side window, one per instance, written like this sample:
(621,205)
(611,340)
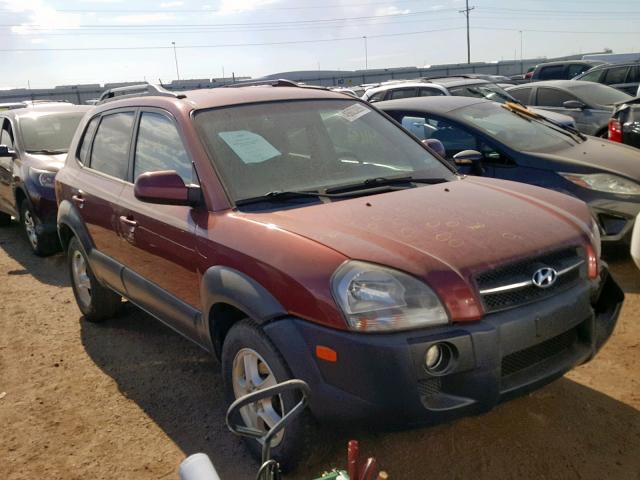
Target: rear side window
(521,94)
(634,74)
(429,92)
(576,69)
(551,97)
(615,75)
(159,148)
(403,93)
(553,72)
(110,153)
(85,147)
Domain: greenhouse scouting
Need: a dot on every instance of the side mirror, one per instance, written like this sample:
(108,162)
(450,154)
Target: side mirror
(574,104)
(166,188)
(6,152)
(435,145)
(467,157)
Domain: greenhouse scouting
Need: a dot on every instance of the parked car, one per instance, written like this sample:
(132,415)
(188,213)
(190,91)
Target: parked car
(625,77)
(590,104)
(513,145)
(624,124)
(34,140)
(296,232)
(462,85)
(561,70)
(635,243)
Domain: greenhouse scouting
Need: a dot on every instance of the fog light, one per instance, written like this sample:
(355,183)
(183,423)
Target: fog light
(433,357)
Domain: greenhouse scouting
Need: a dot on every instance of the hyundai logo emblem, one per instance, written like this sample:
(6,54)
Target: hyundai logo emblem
(544,277)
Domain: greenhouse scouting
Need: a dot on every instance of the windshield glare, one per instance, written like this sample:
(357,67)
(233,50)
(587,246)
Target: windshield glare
(308,145)
(600,94)
(51,132)
(513,130)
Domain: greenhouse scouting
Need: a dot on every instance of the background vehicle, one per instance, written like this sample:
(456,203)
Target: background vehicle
(513,146)
(33,145)
(590,104)
(625,77)
(282,228)
(463,85)
(624,124)
(563,70)
(635,242)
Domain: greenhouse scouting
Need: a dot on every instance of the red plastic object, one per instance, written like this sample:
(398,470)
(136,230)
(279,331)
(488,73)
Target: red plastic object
(353,452)
(615,130)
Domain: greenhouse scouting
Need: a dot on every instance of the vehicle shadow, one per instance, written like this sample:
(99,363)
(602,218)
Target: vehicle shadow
(565,430)
(625,272)
(50,270)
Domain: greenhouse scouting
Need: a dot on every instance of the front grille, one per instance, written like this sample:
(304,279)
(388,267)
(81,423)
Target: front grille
(536,354)
(429,387)
(523,271)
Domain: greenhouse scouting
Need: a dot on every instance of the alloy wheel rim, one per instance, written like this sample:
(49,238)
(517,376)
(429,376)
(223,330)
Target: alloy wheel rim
(251,373)
(81,278)
(30,228)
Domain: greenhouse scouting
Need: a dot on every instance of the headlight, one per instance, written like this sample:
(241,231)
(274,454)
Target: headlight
(45,178)
(377,299)
(604,182)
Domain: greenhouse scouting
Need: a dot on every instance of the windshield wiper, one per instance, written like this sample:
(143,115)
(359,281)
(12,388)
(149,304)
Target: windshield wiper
(283,195)
(46,151)
(371,183)
(523,112)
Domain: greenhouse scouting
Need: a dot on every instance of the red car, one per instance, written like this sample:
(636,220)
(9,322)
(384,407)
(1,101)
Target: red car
(298,232)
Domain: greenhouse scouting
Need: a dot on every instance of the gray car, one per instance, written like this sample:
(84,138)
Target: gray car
(624,77)
(590,104)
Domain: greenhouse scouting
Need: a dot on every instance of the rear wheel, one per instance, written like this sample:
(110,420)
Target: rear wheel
(96,302)
(42,244)
(250,362)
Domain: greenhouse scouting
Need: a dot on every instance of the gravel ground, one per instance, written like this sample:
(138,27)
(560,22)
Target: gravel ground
(130,399)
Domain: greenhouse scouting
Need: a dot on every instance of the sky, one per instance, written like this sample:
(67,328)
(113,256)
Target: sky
(44,43)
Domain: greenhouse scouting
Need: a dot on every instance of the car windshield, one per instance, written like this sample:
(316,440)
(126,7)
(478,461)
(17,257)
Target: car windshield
(51,132)
(596,93)
(489,91)
(309,145)
(514,130)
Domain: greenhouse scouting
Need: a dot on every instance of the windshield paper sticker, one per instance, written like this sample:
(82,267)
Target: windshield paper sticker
(354,112)
(250,147)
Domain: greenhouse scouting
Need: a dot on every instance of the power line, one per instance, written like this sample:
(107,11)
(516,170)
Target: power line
(257,44)
(324,20)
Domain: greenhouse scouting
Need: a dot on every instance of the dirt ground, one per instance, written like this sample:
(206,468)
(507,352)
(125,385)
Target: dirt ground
(129,399)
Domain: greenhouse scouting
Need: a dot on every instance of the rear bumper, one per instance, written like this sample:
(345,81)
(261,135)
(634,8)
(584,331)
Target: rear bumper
(380,378)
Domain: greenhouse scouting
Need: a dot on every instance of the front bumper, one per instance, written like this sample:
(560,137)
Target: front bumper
(616,219)
(380,378)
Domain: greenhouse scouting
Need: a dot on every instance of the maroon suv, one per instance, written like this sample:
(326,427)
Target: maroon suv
(298,232)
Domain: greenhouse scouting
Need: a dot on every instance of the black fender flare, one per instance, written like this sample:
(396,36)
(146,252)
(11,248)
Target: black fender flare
(69,216)
(226,285)
(21,188)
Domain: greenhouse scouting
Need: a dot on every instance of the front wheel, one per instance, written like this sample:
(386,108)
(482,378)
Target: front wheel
(5,219)
(96,302)
(250,362)
(42,244)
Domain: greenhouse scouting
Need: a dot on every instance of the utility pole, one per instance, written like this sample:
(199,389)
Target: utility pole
(466,12)
(366,54)
(175,55)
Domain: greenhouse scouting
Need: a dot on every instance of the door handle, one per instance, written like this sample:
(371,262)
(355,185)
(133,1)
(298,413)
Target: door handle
(78,200)
(128,221)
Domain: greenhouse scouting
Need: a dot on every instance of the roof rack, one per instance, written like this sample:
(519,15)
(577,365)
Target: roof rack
(139,90)
(280,82)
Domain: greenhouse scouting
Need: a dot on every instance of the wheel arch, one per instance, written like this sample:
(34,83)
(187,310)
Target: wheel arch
(228,296)
(70,224)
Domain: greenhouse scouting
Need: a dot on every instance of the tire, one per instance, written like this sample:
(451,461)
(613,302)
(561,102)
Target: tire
(42,245)
(5,219)
(603,134)
(295,442)
(96,302)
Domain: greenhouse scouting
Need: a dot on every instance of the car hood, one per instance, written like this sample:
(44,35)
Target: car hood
(46,162)
(592,155)
(443,233)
